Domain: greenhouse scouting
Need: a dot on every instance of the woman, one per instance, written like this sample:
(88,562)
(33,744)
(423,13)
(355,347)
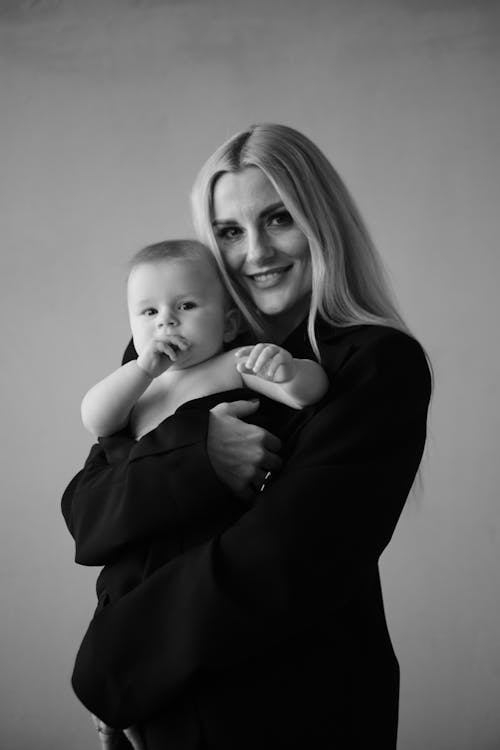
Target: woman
(272,633)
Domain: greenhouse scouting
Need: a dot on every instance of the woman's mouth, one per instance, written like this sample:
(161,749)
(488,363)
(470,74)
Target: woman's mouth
(268,278)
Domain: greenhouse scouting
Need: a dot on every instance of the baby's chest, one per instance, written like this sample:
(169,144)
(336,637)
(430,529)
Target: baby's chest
(165,395)
(153,407)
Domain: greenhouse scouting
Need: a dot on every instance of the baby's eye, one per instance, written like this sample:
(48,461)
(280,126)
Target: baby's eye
(281,219)
(187,305)
(149,311)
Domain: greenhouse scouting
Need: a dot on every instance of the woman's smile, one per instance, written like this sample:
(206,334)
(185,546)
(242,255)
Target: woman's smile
(268,278)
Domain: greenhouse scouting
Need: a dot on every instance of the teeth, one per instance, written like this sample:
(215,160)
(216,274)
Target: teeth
(264,276)
(267,276)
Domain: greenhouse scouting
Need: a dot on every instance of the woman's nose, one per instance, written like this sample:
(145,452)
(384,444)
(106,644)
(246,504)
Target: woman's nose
(259,248)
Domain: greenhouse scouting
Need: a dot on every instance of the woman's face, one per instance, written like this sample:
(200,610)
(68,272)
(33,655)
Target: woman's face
(263,248)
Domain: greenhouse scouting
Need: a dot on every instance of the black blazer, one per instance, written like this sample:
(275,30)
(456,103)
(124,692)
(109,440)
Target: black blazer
(152,531)
(272,632)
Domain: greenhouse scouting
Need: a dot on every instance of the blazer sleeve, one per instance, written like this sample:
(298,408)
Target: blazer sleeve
(163,482)
(296,557)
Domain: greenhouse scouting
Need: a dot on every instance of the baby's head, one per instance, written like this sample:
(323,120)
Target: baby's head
(174,289)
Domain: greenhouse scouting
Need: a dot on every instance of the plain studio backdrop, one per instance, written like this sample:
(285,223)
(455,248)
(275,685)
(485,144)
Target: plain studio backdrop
(107,111)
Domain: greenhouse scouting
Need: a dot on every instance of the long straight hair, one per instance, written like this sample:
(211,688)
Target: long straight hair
(349,284)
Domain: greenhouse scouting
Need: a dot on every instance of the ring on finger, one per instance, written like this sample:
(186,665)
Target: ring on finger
(265,481)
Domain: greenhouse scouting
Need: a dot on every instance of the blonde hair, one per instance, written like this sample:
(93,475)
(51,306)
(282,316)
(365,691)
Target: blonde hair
(349,284)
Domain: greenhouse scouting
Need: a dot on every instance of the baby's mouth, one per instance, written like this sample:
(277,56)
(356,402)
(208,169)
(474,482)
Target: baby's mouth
(177,349)
(174,346)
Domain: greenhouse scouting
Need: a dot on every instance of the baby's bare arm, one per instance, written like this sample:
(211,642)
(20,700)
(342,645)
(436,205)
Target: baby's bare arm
(106,407)
(271,370)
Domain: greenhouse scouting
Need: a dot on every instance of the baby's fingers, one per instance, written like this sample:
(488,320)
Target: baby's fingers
(243,351)
(163,348)
(178,342)
(276,362)
(251,353)
(241,366)
(264,358)
(171,352)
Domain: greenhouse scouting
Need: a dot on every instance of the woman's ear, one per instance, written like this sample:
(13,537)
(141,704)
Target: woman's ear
(231,324)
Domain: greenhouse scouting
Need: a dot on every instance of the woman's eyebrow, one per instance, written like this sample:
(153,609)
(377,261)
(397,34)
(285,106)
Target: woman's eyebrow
(265,212)
(272,208)
(223,222)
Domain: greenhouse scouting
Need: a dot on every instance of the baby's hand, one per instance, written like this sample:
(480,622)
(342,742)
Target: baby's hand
(160,354)
(268,361)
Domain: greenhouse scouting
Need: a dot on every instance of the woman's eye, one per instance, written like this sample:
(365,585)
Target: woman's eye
(228,233)
(281,219)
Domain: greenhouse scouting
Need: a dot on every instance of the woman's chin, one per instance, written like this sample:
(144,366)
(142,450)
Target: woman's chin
(269,301)
(275,305)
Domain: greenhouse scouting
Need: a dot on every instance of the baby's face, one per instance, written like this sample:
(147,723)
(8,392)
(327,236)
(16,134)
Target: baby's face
(182,298)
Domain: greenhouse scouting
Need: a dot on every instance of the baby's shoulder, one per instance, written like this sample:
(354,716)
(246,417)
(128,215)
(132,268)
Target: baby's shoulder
(219,371)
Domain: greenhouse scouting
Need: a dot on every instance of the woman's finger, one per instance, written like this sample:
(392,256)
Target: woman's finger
(236,409)
(107,736)
(270,462)
(272,443)
(134,737)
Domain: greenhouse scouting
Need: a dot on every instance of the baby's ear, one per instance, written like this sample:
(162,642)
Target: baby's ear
(231,324)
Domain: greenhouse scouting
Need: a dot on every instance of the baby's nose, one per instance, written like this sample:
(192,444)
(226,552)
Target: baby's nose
(169,321)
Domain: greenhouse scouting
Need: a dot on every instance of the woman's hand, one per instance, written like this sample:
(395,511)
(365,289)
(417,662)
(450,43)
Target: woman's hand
(110,738)
(241,454)
(134,737)
(268,361)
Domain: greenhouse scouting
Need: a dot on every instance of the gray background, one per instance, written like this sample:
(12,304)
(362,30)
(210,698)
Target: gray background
(107,111)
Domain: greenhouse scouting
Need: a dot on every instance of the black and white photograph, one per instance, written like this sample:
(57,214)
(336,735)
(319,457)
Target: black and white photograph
(250,480)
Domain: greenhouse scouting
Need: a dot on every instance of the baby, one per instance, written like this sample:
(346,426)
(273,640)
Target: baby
(181,318)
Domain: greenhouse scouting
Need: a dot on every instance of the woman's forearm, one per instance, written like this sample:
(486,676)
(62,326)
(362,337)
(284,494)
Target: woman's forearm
(107,406)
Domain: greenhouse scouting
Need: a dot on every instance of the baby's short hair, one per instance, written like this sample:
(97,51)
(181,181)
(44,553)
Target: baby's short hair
(183,249)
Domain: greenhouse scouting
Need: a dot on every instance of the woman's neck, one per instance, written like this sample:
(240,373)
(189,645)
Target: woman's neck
(281,326)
